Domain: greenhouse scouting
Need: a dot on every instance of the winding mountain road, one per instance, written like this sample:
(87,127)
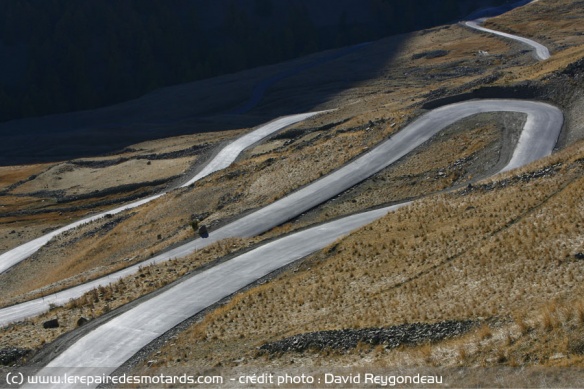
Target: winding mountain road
(222,160)
(225,157)
(104,349)
(116,341)
(539,135)
(272,215)
(541,52)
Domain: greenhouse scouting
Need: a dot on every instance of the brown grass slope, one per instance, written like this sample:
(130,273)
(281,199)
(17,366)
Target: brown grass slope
(398,182)
(507,252)
(260,177)
(482,254)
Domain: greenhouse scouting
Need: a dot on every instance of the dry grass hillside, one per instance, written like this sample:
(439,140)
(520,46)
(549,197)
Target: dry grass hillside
(35,199)
(311,149)
(504,252)
(403,178)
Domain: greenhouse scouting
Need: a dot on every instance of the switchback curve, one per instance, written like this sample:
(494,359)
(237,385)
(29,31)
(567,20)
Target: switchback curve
(116,341)
(538,138)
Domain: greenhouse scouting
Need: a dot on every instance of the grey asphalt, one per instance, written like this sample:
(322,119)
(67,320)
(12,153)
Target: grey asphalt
(541,52)
(537,140)
(110,345)
(222,160)
(107,347)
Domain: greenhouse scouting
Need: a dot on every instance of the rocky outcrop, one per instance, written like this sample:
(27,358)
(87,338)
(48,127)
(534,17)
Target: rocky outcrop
(389,337)
(10,355)
(430,54)
(518,179)
(54,323)
(82,321)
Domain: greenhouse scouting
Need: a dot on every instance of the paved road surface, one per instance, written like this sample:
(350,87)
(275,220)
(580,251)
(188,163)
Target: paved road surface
(542,53)
(225,157)
(110,345)
(537,140)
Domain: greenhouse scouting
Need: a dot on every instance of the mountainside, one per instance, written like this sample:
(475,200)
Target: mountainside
(88,54)
(479,279)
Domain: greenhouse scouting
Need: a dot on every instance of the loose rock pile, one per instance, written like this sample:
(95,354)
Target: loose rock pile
(12,354)
(522,178)
(390,337)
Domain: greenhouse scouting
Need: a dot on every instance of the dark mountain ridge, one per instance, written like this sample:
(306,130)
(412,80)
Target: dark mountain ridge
(62,56)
